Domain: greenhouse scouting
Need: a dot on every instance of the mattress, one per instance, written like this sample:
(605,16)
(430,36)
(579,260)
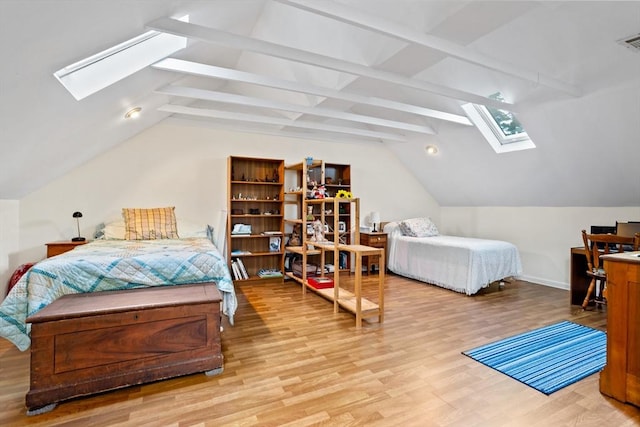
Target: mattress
(461,264)
(104,265)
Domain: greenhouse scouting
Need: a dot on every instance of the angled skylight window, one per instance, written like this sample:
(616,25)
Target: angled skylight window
(500,128)
(98,71)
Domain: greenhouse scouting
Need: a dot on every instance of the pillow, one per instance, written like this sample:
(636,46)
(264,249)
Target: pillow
(188,228)
(150,224)
(418,227)
(114,230)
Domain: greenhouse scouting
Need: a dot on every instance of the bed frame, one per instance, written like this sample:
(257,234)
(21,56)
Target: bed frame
(93,342)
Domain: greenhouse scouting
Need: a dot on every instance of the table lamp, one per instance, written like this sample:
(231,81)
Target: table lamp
(374,218)
(77,216)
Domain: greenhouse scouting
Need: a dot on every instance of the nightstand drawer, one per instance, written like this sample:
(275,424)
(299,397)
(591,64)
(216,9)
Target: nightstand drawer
(374,240)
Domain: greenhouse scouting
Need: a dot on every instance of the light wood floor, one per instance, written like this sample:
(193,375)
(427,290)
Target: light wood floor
(290,361)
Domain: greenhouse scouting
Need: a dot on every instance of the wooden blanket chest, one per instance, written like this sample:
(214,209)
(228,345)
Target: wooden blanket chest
(92,342)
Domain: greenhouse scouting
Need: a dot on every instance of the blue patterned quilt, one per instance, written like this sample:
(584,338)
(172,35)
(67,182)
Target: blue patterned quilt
(104,265)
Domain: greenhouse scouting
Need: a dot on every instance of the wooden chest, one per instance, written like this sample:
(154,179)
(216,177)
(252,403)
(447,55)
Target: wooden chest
(87,343)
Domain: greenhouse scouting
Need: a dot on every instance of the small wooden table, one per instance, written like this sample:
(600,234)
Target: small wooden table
(60,247)
(374,240)
(354,302)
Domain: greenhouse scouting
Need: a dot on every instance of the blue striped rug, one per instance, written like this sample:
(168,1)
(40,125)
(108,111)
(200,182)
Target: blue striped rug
(548,358)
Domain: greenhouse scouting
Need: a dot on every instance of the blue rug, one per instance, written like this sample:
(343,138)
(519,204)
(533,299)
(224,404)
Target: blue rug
(548,358)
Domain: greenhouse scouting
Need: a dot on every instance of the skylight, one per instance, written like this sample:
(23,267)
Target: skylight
(500,128)
(98,71)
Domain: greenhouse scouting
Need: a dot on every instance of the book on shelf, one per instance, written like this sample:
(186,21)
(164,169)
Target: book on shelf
(237,252)
(272,233)
(243,270)
(235,271)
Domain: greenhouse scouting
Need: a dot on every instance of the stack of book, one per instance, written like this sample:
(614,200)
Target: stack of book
(269,272)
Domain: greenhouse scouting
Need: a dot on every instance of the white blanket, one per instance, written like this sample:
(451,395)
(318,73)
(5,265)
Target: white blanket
(461,264)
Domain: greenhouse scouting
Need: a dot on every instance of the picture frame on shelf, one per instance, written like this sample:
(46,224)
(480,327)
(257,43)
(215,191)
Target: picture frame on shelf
(274,243)
(342,227)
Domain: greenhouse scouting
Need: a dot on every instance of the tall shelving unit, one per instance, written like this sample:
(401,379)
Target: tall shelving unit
(339,214)
(300,179)
(255,211)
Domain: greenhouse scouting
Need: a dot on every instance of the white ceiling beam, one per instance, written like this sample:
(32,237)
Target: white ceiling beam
(212,35)
(229,98)
(380,25)
(245,127)
(255,118)
(204,70)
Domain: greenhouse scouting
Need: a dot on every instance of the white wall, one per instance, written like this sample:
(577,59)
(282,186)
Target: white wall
(178,163)
(9,240)
(543,235)
(183,164)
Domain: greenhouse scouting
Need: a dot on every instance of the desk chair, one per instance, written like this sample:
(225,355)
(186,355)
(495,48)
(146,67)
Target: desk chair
(595,246)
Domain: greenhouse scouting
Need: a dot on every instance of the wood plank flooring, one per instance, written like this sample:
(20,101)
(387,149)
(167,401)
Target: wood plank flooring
(290,361)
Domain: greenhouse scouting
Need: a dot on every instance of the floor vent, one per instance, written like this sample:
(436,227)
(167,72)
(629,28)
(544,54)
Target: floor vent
(631,42)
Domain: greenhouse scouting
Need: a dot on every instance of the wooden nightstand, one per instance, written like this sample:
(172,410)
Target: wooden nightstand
(57,248)
(374,240)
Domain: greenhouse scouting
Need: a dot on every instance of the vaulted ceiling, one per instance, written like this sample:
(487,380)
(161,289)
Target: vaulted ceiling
(391,72)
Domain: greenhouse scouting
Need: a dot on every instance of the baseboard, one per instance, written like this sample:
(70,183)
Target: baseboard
(545,282)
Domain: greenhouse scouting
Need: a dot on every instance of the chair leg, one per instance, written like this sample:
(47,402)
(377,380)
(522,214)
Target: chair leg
(601,295)
(592,286)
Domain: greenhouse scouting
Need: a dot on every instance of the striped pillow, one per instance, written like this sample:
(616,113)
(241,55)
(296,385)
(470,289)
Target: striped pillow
(150,224)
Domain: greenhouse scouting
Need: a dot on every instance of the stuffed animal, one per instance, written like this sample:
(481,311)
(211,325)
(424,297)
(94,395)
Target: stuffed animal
(318,232)
(294,239)
(321,192)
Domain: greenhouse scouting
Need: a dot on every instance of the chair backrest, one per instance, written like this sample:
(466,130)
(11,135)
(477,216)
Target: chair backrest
(596,245)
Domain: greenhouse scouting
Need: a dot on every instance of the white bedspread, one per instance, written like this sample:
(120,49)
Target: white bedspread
(461,264)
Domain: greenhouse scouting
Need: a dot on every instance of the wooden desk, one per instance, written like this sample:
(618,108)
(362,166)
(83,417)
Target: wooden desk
(620,378)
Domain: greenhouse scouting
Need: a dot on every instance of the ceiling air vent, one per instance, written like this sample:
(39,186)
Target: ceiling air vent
(631,42)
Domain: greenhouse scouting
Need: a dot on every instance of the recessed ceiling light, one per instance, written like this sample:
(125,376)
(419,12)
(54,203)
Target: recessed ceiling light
(432,150)
(133,113)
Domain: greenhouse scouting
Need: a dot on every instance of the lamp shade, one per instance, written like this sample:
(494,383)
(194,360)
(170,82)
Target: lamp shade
(77,214)
(374,218)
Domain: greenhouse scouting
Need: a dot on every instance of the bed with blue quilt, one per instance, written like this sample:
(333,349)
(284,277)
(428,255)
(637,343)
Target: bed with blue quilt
(103,265)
